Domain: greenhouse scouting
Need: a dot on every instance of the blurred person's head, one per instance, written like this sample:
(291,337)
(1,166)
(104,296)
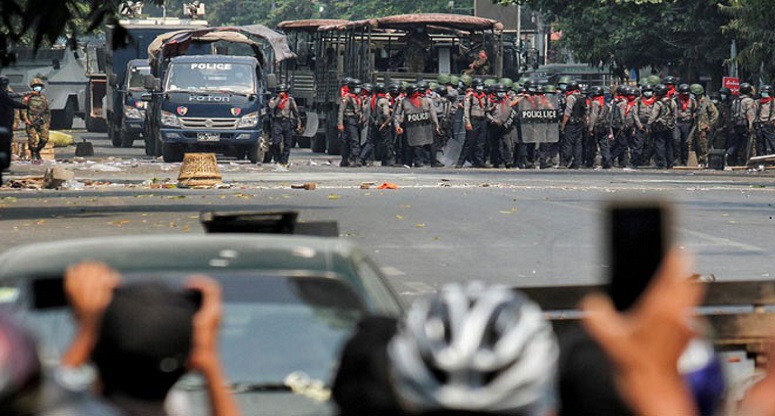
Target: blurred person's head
(20,368)
(144,341)
(475,349)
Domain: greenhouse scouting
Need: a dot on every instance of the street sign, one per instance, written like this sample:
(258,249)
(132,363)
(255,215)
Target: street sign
(733,83)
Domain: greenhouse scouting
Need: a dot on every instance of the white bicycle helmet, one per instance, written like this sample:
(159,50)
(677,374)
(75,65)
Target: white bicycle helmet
(475,348)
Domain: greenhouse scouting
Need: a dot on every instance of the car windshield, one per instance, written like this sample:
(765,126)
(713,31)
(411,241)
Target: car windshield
(211,76)
(136,80)
(273,326)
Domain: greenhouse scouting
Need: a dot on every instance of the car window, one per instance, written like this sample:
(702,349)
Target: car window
(374,282)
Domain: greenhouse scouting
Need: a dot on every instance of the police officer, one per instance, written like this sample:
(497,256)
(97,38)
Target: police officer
(474,108)
(686,111)
(630,107)
(619,146)
(765,122)
(367,139)
(725,127)
(349,123)
(643,142)
(37,118)
(418,117)
(502,118)
(285,119)
(443,107)
(707,117)
(573,126)
(548,152)
(661,124)
(743,117)
(599,128)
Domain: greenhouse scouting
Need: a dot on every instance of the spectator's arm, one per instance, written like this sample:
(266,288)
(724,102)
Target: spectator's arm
(644,343)
(89,288)
(204,353)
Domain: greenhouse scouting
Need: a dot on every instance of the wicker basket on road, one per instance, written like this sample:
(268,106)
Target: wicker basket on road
(199,170)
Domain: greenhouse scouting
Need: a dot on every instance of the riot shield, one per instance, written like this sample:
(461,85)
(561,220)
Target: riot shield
(451,152)
(539,119)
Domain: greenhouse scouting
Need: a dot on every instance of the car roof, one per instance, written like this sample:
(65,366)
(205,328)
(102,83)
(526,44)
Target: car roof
(215,58)
(181,252)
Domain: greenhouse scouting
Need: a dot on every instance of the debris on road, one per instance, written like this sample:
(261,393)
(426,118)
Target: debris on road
(387,185)
(57,176)
(309,186)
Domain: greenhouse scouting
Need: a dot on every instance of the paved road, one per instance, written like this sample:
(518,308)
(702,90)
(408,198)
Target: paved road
(522,228)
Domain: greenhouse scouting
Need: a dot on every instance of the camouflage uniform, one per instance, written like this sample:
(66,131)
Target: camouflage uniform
(37,117)
(707,117)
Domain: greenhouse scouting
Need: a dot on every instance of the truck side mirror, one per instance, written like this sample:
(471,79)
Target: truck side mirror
(271,81)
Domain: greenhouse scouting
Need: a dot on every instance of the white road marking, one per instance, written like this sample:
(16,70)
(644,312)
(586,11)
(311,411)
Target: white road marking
(392,271)
(723,241)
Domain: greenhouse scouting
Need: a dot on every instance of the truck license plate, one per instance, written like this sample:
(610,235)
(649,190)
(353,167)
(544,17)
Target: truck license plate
(208,137)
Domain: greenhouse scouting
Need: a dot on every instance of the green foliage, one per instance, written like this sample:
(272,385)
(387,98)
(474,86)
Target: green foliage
(681,37)
(751,23)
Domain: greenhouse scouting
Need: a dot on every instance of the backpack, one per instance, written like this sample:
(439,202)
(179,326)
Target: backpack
(617,118)
(738,115)
(579,110)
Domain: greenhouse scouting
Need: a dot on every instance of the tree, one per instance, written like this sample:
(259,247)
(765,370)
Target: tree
(679,37)
(751,24)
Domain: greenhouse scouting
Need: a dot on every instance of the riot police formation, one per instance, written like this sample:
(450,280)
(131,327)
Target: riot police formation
(662,125)
(285,120)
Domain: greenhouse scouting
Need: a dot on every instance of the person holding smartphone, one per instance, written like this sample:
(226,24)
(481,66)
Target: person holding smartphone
(143,337)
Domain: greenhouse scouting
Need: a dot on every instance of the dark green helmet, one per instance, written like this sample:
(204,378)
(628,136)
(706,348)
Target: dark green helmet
(443,79)
(697,89)
(564,80)
(506,81)
(724,91)
(549,89)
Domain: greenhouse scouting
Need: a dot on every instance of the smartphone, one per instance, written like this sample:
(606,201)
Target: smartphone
(637,242)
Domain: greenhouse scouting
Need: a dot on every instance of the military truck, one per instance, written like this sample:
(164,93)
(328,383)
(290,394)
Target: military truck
(404,48)
(142,32)
(211,101)
(63,72)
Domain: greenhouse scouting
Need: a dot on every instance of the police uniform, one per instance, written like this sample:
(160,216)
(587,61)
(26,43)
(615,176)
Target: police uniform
(765,122)
(707,117)
(37,117)
(350,112)
(662,125)
(642,140)
(619,147)
(573,126)
(285,118)
(502,117)
(418,120)
(743,116)
(474,109)
(599,131)
(377,115)
(686,110)
(442,106)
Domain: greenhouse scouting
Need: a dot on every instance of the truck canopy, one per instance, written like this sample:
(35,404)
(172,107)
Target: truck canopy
(173,44)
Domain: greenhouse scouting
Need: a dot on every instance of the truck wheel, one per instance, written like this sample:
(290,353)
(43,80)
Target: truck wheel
(63,119)
(254,154)
(304,142)
(114,135)
(318,144)
(172,152)
(149,143)
(127,139)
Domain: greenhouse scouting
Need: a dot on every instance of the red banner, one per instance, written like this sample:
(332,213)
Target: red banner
(732,83)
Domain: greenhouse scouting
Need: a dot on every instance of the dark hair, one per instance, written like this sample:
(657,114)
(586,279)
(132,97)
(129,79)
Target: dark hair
(144,341)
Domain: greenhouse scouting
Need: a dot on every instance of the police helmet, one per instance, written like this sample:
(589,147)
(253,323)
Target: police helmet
(380,88)
(476,82)
(746,88)
(353,83)
(549,89)
(4,81)
(653,80)
(500,87)
(596,91)
(670,80)
(521,90)
(634,91)
(531,87)
(346,81)
(697,89)
(506,81)
(282,88)
(572,85)
(411,89)
(724,90)
(441,90)
(684,89)
(767,89)
(660,90)
(454,80)
(36,81)
(564,81)
(621,89)
(444,79)
(467,80)
(394,88)
(367,87)
(647,87)
(422,86)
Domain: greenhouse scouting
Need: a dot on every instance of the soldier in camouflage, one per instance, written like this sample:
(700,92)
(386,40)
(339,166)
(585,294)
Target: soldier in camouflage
(707,117)
(37,118)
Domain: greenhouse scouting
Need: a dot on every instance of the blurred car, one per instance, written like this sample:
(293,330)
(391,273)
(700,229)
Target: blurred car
(290,303)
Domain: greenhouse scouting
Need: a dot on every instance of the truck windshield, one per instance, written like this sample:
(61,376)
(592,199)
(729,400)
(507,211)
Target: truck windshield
(211,76)
(136,80)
